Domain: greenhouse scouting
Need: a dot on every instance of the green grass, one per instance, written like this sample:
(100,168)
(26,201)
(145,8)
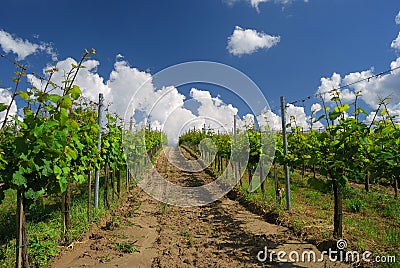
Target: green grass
(313,197)
(120,236)
(164,207)
(44,227)
(125,247)
(355,204)
(371,220)
(189,238)
(7,223)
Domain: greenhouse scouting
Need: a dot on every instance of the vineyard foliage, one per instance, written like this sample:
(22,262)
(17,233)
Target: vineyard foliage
(53,146)
(349,149)
(55,142)
(141,146)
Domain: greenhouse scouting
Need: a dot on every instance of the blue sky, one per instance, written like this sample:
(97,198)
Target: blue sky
(313,39)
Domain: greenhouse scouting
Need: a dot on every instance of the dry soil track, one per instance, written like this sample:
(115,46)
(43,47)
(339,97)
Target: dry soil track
(221,234)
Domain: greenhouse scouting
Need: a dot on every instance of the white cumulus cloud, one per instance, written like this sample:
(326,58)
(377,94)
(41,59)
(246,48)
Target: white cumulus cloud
(372,87)
(216,114)
(270,119)
(331,85)
(396,42)
(327,85)
(255,3)
(397,19)
(129,89)
(5,98)
(23,48)
(247,41)
(296,116)
(316,107)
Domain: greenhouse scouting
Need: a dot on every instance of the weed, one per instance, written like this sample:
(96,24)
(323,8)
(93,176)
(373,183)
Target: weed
(325,233)
(164,208)
(43,246)
(189,237)
(326,206)
(319,185)
(361,246)
(392,237)
(104,259)
(130,223)
(6,251)
(136,206)
(298,225)
(313,197)
(125,247)
(369,227)
(392,210)
(172,244)
(349,192)
(113,223)
(120,236)
(356,204)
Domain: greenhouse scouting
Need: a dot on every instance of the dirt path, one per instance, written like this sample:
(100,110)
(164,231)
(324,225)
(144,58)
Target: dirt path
(221,234)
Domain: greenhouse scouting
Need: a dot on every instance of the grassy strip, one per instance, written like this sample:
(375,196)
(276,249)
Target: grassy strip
(44,226)
(371,220)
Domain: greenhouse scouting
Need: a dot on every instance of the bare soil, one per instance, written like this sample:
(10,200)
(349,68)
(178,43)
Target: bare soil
(221,234)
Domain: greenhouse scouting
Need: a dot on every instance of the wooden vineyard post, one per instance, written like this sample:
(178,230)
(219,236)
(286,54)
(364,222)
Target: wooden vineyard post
(89,195)
(65,214)
(262,176)
(21,241)
(68,213)
(226,169)
(112,180)
(366,182)
(106,203)
(18,243)
(338,211)
(118,174)
(250,178)
(275,175)
(240,172)
(313,169)
(277,189)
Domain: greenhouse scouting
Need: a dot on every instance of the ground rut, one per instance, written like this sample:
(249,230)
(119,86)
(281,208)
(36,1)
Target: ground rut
(221,234)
